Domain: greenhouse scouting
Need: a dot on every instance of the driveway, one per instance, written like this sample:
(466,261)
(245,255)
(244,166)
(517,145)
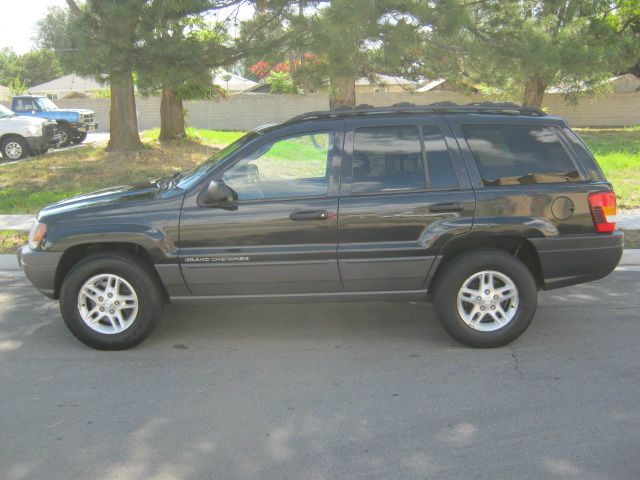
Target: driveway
(325,391)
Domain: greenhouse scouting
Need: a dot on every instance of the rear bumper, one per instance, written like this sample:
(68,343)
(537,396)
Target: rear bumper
(40,268)
(572,259)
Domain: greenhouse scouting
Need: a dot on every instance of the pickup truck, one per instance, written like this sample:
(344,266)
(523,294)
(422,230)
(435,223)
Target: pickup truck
(21,137)
(73,124)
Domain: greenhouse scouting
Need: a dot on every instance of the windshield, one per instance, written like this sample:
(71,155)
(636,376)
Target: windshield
(5,112)
(46,104)
(193,176)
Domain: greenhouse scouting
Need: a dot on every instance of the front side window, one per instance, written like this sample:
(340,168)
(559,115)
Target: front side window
(386,159)
(519,154)
(292,167)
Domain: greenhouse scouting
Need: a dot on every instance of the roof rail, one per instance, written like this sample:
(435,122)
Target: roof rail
(505,108)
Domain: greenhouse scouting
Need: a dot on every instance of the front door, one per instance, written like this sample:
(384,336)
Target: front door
(280,235)
(405,192)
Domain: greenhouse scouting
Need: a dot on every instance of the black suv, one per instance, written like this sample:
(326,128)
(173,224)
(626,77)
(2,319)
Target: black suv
(476,207)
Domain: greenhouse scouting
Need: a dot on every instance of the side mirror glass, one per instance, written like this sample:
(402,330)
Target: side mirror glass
(218,193)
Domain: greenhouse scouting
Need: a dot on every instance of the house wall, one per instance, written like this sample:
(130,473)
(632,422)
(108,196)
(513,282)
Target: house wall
(247,111)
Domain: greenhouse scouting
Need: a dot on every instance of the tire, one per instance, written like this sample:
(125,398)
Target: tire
(135,277)
(80,138)
(14,148)
(483,325)
(65,135)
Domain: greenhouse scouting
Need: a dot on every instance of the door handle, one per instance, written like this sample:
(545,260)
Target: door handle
(310,215)
(446,207)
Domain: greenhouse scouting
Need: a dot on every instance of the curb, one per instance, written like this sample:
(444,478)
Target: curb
(630,257)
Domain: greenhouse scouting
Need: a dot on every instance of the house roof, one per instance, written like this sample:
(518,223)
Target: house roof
(235,83)
(627,83)
(68,83)
(380,79)
(431,85)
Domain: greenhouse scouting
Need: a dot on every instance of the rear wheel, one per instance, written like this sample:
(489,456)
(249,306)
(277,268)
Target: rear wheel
(111,301)
(486,298)
(14,148)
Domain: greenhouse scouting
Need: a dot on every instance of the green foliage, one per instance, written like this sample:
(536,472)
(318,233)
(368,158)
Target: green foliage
(17,87)
(509,45)
(31,68)
(281,82)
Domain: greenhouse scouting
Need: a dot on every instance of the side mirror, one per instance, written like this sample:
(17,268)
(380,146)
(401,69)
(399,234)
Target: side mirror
(217,193)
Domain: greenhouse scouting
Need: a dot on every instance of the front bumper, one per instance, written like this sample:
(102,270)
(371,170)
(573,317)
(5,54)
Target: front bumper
(572,259)
(40,268)
(85,127)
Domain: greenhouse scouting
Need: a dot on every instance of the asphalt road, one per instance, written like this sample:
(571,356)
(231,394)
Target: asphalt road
(325,391)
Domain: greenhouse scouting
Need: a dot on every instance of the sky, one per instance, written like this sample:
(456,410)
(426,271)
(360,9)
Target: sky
(18,35)
(19,19)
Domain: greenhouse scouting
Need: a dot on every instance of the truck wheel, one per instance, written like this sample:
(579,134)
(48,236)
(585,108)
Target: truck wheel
(14,148)
(111,301)
(486,298)
(65,135)
(79,139)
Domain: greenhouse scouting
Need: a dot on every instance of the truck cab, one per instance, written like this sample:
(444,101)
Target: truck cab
(73,124)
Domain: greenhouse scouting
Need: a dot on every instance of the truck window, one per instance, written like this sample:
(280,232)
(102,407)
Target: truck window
(23,105)
(440,172)
(519,154)
(386,159)
(295,166)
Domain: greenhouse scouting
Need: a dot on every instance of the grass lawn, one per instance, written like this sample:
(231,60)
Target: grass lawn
(10,241)
(27,186)
(618,153)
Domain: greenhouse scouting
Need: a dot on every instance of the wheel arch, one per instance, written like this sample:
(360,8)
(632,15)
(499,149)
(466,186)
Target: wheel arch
(76,253)
(520,247)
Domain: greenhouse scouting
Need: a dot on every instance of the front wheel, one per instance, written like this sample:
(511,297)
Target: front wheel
(65,135)
(111,301)
(486,298)
(14,148)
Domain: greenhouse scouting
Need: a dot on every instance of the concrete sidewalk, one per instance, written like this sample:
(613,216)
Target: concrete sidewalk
(16,222)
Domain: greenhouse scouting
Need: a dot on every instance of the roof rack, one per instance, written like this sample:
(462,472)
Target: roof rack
(506,108)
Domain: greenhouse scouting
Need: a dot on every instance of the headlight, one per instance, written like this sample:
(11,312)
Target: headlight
(38,231)
(34,130)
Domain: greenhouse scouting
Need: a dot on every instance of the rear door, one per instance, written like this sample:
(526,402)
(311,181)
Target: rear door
(404,192)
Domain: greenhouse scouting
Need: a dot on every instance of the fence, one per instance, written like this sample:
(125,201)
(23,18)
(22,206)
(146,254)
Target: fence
(247,111)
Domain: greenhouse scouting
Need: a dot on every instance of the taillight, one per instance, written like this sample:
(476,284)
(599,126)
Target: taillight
(603,210)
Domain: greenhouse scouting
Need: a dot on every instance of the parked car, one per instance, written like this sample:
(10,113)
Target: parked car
(74,124)
(475,208)
(21,137)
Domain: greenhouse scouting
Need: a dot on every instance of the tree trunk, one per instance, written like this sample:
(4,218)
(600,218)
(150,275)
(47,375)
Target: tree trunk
(122,116)
(534,92)
(343,92)
(171,115)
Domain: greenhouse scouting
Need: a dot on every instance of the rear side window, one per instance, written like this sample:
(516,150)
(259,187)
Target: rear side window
(440,170)
(386,159)
(519,154)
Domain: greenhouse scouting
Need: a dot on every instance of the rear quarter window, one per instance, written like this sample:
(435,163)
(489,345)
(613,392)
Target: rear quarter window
(519,154)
